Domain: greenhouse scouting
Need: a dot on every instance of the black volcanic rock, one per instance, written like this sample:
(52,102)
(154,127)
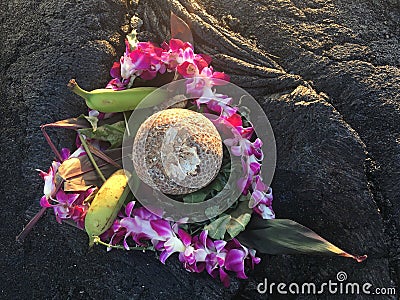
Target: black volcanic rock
(325,72)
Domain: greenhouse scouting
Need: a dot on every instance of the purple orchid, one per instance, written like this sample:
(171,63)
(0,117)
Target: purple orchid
(261,199)
(141,225)
(217,257)
(69,206)
(197,253)
(173,56)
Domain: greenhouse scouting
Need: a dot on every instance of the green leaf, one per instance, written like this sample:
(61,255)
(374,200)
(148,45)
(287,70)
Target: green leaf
(216,185)
(195,197)
(112,133)
(234,222)
(217,228)
(282,236)
(92,120)
(240,217)
(211,211)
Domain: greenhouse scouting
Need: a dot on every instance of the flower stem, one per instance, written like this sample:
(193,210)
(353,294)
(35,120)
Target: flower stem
(91,158)
(20,237)
(46,136)
(97,240)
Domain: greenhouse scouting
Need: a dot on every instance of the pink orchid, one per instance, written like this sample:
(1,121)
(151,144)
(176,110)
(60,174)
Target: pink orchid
(144,61)
(69,206)
(50,177)
(241,146)
(200,83)
(117,84)
(115,71)
(173,56)
(261,199)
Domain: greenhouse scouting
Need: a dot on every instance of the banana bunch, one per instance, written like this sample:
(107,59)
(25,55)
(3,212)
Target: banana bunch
(108,100)
(106,204)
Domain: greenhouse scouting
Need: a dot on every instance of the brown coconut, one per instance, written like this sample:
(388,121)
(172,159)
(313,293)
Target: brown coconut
(177,151)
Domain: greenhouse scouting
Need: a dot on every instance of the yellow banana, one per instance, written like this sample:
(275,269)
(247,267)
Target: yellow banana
(108,100)
(106,204)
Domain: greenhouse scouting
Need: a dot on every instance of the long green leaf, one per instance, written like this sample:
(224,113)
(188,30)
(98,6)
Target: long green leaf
(283,236)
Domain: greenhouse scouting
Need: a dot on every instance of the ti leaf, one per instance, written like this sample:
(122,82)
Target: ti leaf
(195,197)
(283,236)
(232,223)
(217,228)
(79,174)
(112,133)
(71,123)
(180,30)
(92,120)
(240,217)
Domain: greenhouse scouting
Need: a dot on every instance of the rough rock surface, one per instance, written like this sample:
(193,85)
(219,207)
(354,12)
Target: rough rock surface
(327,75)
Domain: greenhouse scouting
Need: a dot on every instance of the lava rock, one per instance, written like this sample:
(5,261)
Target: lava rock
(325,72)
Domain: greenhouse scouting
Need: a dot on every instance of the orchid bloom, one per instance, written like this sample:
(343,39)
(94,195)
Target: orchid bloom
(261,199)
(50,177)
(49,180)
(200,83)
(173,56)
(141,224)
(69,206)
(137,224)
(197,253)
(217,257)
(144,61)
(241,146)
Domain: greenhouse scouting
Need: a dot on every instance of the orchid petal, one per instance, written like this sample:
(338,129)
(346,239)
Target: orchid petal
(174,244)
(234,261)
(185,237)
(164,255)
(223,276)
(162,228)
(236,150)
(44,202)
(219,245)
(65,153)
(230,142)
(266,212)
(129,208)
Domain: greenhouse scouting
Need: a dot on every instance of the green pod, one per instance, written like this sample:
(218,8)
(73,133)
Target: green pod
(106,204)
(108,100)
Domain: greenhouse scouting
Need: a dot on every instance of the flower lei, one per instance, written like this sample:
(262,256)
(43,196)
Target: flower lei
(148,231)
